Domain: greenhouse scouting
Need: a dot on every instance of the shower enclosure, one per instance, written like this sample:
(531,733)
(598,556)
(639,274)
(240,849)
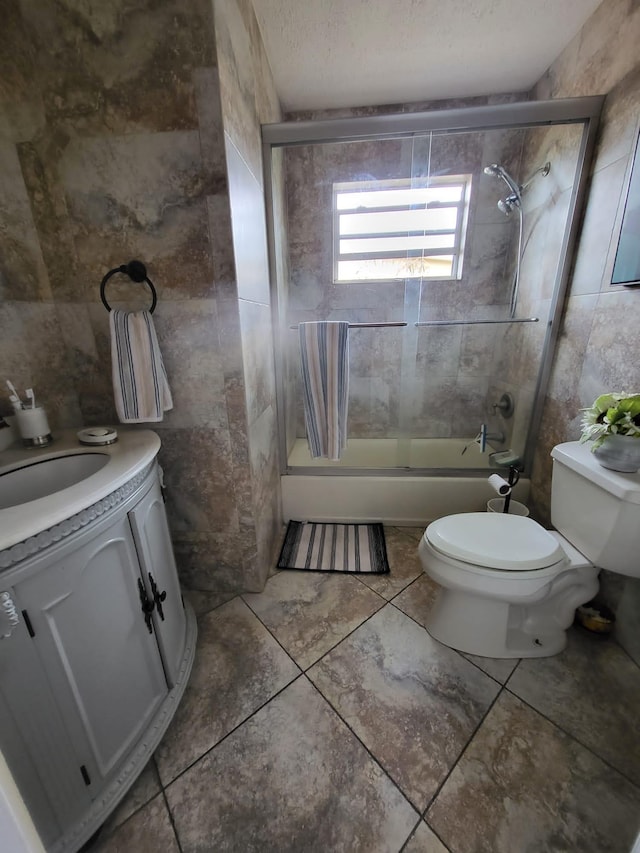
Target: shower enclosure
(444,238)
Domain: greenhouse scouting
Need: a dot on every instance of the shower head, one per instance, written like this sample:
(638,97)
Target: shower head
(514,200)
(499,171)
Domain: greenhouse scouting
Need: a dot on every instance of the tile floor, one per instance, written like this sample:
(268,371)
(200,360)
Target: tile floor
(321,716)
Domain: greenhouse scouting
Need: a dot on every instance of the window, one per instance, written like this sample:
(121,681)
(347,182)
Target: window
(396,229)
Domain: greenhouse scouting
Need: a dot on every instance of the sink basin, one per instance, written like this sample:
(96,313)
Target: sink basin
(47,476)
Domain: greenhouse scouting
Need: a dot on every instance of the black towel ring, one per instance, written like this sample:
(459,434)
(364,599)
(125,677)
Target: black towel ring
(137,272)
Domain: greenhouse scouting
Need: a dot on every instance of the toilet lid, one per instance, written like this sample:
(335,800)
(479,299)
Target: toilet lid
(495,541)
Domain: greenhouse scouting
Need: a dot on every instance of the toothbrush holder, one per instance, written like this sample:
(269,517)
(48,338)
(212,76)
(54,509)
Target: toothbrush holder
(34,427)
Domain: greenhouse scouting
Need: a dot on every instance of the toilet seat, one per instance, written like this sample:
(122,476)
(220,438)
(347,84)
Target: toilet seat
(495,542)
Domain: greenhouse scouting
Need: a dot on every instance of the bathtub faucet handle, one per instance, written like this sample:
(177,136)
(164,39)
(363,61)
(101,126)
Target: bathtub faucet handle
(505,405)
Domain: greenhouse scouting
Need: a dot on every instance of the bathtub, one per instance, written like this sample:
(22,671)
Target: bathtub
(426,479)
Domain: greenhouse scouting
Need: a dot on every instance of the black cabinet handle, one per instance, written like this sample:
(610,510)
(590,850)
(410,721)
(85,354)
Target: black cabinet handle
(146,605)
(158,596)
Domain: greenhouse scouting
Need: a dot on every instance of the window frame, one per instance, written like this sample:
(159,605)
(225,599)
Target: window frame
(460,233)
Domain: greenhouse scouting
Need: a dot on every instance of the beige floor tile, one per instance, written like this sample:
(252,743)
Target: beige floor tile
(293,778)
(413,702)
(592,691)
(309,612)
(148,831)
(424,840)
(498,668)
(238,667)
(404,564)
(523,785)
(145,788)
(418,598)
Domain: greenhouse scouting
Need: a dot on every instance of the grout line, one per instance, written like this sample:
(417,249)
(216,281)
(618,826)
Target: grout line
(337,643)
(574,738)
(365,747)
(173,825)
(228,734)
(102,833)
(410,836)
(463,751)
(437,835)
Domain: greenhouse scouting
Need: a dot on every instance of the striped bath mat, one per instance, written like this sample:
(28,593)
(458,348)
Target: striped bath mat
(334,548)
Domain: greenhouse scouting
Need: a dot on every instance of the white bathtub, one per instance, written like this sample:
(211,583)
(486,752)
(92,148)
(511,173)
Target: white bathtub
(404,500)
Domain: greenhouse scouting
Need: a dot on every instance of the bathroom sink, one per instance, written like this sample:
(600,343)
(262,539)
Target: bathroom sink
(45,477)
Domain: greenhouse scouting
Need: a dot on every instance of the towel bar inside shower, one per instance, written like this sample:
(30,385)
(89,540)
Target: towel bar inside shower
(365,325)
(477,322)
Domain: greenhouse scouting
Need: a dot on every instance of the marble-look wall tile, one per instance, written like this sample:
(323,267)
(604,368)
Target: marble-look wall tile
(267,509)
(210,125)
(188,338)
(219,221)
(39,160)
(626,629)
(199,484)
(617,313)
(38,357)
(596,235)
(118,68)
(23,274)
(145,188)
(257,344)
(21,107)
(249,229)
(238,81)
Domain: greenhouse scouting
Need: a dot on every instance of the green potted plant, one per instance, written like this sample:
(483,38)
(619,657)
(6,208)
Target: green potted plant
(612,424)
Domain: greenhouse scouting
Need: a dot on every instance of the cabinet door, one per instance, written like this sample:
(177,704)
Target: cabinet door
(101,660)
(34,740)
(151,533)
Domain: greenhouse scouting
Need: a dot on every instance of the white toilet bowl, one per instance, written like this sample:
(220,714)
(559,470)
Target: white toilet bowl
(509,587)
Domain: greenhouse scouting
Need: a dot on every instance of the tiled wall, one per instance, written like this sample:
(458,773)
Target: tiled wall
(112,148)
(249,100)
(597,349)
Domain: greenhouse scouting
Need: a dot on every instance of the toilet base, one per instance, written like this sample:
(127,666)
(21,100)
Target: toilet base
(489,628)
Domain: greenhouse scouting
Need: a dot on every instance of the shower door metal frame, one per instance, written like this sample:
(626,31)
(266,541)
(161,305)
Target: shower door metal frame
(526,114)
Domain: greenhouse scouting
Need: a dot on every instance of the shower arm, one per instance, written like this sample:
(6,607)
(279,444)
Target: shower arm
(541,170)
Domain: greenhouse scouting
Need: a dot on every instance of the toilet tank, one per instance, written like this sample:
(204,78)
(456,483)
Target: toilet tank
(596,509)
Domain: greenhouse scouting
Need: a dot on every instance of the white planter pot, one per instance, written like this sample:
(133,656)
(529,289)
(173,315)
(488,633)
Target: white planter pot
(619,453)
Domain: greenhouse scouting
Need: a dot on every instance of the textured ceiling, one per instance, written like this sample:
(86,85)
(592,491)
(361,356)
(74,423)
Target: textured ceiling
(338,53)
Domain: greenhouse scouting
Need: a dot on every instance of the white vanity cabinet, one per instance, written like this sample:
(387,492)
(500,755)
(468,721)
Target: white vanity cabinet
(91,676)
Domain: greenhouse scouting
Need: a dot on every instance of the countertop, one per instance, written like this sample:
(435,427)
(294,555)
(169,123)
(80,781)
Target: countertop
(132,452)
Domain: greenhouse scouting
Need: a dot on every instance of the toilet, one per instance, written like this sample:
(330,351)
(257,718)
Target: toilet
(509,587)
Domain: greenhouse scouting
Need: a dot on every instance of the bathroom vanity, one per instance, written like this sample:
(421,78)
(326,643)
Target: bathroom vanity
(96,642)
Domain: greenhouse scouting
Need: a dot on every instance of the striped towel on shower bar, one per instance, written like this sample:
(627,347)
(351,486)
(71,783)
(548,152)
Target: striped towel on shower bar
(324,351)
(140,385)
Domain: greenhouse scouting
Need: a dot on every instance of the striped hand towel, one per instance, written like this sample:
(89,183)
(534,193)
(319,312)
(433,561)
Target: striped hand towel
(140,385)
(324,350)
